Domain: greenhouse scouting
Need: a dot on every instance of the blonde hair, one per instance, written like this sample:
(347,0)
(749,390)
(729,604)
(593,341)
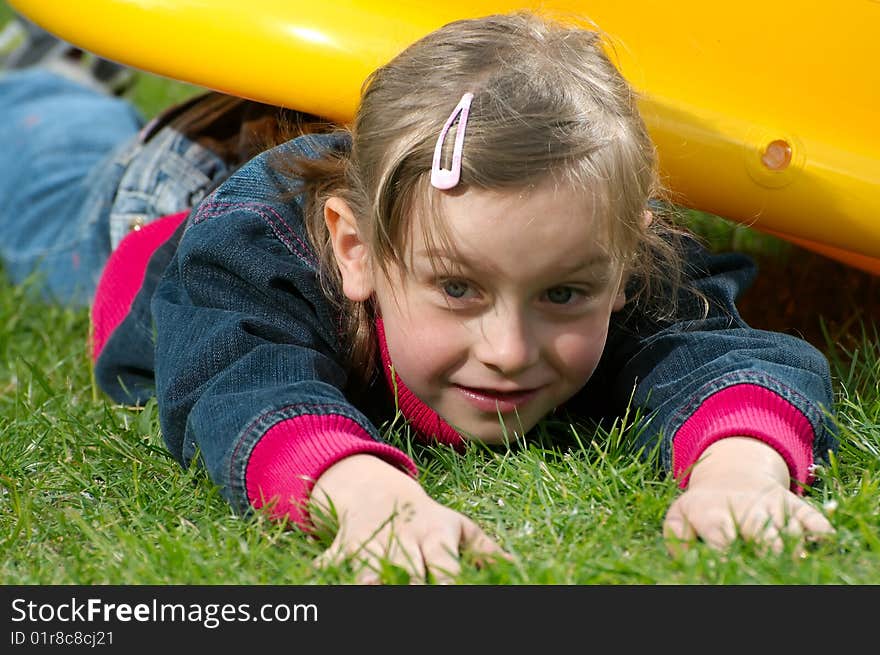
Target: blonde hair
(548,103)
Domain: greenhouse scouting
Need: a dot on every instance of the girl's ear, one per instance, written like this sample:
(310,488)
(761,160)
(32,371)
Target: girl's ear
(352,254)
(620,298)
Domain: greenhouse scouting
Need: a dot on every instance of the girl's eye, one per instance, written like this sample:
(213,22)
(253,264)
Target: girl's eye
(561,295)
(455,288)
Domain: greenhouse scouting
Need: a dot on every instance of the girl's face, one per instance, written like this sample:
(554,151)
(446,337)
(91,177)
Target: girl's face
(511,322)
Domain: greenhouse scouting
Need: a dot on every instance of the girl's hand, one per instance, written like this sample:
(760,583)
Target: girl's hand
(740,488)
(384,514)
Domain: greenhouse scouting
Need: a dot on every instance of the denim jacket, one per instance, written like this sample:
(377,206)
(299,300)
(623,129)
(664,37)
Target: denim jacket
(232,333)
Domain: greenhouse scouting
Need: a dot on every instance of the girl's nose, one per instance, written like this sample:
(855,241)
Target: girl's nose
(506,343)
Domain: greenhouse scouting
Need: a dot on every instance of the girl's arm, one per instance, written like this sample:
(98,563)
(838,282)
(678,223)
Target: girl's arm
(740,487)
(707,376)
(248,373)
(392,520)
(248,363)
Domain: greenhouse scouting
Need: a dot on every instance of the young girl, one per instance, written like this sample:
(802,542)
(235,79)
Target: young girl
(480,250)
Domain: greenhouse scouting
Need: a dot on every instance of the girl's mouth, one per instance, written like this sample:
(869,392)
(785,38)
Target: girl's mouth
(493,401)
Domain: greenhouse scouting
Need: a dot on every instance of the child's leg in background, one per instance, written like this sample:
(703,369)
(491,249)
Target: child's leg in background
(59,142)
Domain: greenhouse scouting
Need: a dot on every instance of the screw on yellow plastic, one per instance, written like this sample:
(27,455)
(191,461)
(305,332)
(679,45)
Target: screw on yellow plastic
(777,155)
(774,160)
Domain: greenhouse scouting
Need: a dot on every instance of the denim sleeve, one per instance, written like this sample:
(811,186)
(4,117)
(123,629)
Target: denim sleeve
(245,338)
(666,369)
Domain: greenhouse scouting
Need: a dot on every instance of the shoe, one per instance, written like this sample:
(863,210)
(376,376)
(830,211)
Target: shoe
(24,44)
(115,78)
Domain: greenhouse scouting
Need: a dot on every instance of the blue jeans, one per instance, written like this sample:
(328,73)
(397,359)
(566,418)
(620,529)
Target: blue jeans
(77,175)
(58,142)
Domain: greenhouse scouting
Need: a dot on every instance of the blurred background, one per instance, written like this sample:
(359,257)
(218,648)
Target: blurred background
(797,291)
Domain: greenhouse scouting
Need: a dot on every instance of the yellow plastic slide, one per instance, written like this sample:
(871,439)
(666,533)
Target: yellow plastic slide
(763,111)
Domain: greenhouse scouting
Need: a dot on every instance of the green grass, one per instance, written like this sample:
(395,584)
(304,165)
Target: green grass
(88,494)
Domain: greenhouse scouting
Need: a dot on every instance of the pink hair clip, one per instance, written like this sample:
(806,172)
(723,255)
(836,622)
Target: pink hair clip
(443,178)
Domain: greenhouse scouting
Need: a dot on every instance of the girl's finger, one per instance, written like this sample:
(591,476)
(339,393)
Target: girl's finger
(479,544)
(677,526)
(794,527)
(678,531)
(408,556)
(367,562)
(770,538)
(720,532)
(813,521)
(369,573)
(441,561)
(331,557)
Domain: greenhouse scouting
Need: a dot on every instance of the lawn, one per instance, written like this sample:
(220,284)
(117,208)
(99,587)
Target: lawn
(88,494)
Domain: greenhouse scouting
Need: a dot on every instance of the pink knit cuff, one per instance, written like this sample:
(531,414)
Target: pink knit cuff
(123,276)
(292,455)
(747,410)
(425,420)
